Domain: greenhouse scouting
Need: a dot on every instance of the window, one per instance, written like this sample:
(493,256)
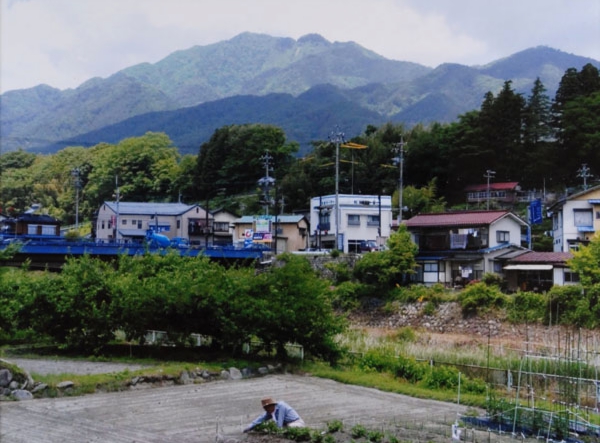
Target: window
(582,217)
(134,222)
(124,222)
(430,267)
(571,277)
(502,236)
(178,224)
(372,220)
(221,226)
(353,220)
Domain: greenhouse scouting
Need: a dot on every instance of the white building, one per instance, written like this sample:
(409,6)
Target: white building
(134,219)
(575,219)
(361,218)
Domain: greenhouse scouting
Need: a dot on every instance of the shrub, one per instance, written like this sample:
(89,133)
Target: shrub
(405,334)
(527,307)
(479,297)
(441,377)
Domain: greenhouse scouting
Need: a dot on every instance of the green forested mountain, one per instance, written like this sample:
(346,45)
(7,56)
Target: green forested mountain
(204,87)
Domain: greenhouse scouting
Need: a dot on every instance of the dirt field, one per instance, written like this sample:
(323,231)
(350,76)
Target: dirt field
(196,413)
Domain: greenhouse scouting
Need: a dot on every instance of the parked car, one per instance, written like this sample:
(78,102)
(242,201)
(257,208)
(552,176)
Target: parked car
(368,246)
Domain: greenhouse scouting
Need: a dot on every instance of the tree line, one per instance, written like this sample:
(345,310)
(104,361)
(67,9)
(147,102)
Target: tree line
(537,141)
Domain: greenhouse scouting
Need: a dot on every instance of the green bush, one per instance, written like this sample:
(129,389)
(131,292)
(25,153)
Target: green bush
(574,305)
(441,377)
(479,297)
(527,307)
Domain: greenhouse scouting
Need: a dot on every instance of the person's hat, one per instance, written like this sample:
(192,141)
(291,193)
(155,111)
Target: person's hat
(267,401)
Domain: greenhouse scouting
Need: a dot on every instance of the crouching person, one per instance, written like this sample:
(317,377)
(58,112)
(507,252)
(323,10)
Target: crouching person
(279,411)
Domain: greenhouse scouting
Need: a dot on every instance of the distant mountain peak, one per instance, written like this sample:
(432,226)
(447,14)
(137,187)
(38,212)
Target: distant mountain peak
(313,39)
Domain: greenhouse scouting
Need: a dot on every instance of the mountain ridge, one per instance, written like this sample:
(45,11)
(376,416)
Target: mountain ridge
(257,64)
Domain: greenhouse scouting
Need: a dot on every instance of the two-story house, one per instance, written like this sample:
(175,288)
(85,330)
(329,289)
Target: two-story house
(362,218)
(575,219)
(130,221)
(283,233)
(223,226)
(458,247)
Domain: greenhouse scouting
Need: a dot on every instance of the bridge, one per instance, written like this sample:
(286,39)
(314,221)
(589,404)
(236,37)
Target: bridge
(53,253)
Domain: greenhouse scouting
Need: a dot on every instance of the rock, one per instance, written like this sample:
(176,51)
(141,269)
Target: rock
(234,374)
(13,385)
(225,375)
(5,377)
(21,394)
(185,379)
(65,385)
(39,387)
(263,371)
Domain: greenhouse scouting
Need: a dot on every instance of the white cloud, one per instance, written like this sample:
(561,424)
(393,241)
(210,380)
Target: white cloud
(65,42)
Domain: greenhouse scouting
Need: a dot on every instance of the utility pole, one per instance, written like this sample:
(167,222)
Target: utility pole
(399,148)
(117,217)
(584,172)
(337,138)
(489,174)
(76,173)
(266,182)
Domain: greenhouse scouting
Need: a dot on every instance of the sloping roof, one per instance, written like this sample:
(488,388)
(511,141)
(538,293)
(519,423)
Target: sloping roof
(43,219)
(542,257)
(135,208)
(248,219)
(562,201)
(507,186)
(459,219)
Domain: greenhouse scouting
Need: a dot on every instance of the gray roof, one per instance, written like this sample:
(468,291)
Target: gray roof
(134,208)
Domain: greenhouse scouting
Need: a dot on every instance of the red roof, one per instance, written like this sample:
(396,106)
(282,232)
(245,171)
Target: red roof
(508,186)
(462,218)
(542,257)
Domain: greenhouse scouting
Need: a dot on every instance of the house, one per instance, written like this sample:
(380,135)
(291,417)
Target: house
(362,218)
(283,233)
(134,219)
(223,227)
(539,271)
(458,247)
(501,194)
(575,219)
(38,225)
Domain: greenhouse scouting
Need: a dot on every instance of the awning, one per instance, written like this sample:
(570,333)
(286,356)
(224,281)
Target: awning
(585,229)
(528,267)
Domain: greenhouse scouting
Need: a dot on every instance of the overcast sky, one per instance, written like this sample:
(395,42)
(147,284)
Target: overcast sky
(63,43)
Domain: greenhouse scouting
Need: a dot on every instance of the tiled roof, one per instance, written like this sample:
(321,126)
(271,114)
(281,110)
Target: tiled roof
(462,218)
(136,208)
(542,257)
(492,187)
